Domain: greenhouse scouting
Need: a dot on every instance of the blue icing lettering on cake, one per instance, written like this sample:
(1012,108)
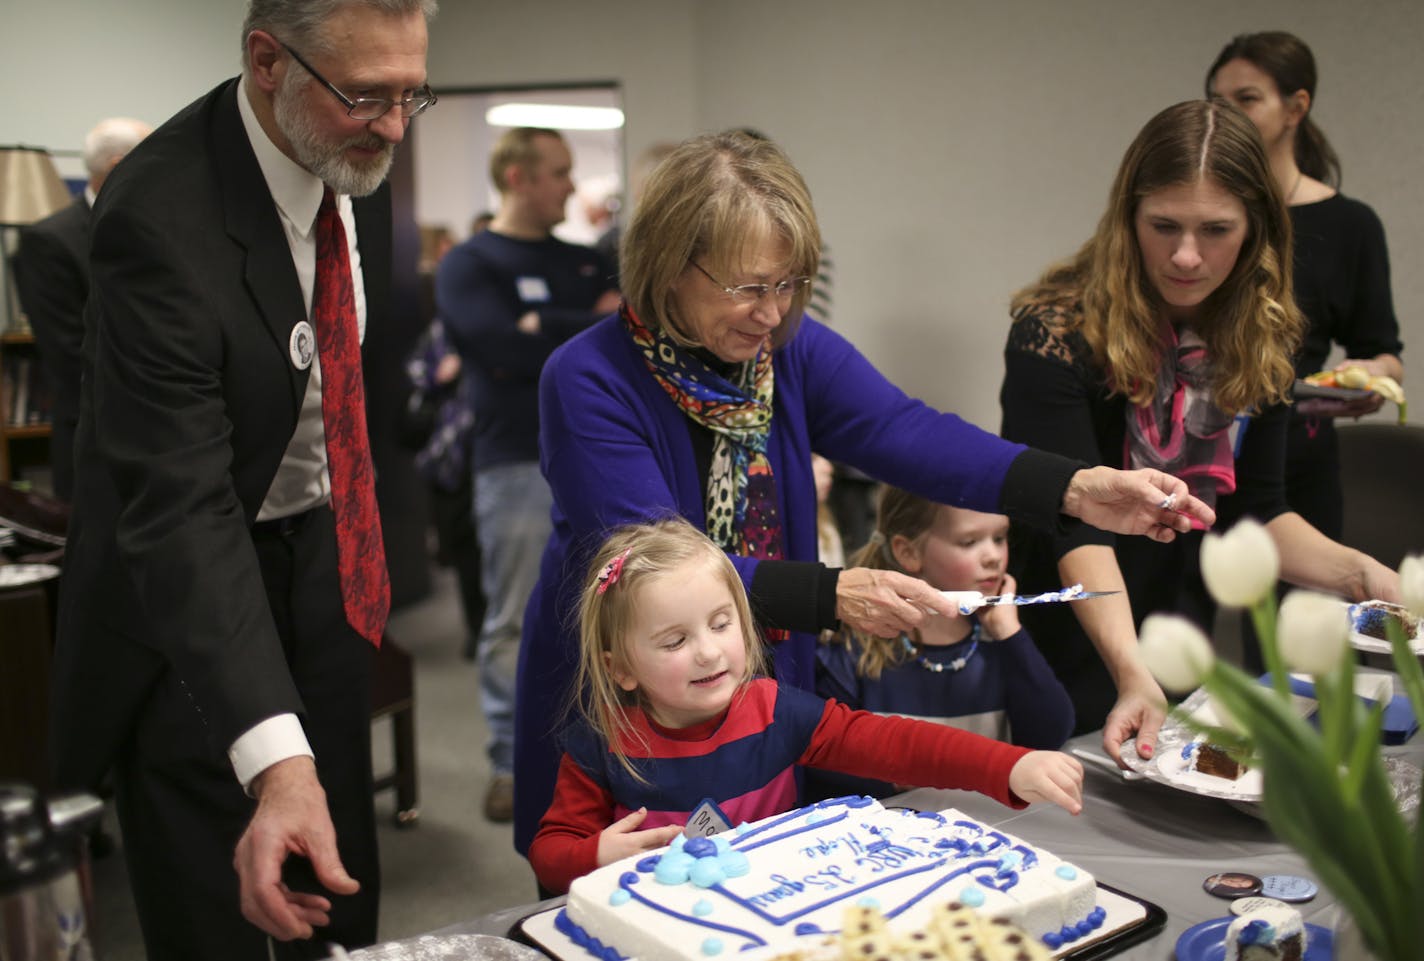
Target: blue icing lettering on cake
(796,873)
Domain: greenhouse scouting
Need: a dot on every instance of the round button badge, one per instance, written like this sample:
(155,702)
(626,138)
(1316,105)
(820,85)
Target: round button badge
(1247,905)
(301,345)
(1289,887)
(1232,884)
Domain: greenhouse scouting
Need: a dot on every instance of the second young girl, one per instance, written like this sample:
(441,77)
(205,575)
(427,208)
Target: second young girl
(676,711)
(980,672)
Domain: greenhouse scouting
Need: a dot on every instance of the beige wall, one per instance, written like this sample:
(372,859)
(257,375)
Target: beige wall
(953,148)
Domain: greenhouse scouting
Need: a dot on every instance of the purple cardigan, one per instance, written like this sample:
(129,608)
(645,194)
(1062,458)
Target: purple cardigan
(616,450)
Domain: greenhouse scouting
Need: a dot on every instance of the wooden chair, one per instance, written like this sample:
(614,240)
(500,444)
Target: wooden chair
(1381,470)
(393,696)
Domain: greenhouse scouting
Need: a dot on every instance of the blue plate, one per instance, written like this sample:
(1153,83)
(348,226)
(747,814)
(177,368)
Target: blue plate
(1207,942)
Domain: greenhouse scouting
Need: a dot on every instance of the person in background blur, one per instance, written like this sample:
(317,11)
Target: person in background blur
(507,297)
(1341,276)
(438,424)
(52,278)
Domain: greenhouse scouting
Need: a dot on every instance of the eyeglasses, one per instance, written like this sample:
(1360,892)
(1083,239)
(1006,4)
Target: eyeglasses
(751,293)
(371,108)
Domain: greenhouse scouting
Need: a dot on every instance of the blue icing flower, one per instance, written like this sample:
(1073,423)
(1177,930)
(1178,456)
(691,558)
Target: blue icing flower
(675,867)
(702,908)
(972,897)
(699,847)
(678,842)
(712,946)
(1257,932)
(734,864)
(1066,872)
(706,872)
(722,844)
(869,902)
(620,896)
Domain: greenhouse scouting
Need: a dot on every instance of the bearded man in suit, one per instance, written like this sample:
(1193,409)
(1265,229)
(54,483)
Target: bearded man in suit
(217,614)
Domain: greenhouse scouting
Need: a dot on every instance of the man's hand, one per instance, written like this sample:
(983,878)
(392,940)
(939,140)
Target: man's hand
(1141,501)
(291,818)
(621,839)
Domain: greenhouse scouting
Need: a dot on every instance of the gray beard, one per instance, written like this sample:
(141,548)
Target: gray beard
(327,160)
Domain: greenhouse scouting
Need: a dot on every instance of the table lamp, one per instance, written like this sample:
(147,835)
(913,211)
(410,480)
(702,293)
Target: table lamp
(30,190)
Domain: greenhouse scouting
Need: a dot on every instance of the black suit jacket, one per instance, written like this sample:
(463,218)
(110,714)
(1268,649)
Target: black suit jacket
(52,278)
(188,403)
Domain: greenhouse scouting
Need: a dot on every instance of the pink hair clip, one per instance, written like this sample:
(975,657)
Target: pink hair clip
(610,574)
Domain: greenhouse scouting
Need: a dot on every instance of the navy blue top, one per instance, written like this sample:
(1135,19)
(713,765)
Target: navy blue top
(1005,690)
(482,287)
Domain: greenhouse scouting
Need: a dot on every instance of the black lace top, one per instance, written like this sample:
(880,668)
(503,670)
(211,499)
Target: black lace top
(1054,397)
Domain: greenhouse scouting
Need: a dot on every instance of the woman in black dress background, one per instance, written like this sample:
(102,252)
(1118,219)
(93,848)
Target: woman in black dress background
(1341,280)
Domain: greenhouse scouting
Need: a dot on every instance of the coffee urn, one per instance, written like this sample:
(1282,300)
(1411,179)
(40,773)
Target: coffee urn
(44,913)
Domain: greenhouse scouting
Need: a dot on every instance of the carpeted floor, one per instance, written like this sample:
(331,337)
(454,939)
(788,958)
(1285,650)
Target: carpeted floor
(451,865)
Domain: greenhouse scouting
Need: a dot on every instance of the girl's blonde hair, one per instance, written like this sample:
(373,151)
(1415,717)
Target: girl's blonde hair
(606,615)
(898,513)
(1250,323)
(713,199)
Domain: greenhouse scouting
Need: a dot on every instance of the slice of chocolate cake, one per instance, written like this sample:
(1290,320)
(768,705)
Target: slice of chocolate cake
(1371,618)
(1212,759)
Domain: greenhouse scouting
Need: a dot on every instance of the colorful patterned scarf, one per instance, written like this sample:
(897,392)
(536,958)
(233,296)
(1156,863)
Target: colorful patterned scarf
(1182,432)
(741,492)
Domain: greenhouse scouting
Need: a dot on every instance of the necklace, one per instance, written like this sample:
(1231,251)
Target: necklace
(955,665)
(1299,176)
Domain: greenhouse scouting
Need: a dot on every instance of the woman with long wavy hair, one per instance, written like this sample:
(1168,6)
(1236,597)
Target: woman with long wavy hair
(1168,341)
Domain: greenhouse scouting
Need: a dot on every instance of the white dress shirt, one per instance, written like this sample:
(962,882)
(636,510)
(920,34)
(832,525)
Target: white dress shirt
(302,481)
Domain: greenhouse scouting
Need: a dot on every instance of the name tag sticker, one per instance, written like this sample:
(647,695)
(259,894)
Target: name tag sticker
(706,820)
(533,290)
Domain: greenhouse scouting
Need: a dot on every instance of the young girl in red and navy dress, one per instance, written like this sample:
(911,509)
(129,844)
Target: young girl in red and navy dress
(676,711)
(979,672)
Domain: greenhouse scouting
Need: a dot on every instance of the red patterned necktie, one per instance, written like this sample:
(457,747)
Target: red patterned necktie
(360,551)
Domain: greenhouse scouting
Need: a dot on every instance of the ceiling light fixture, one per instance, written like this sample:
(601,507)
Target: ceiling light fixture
(554,116)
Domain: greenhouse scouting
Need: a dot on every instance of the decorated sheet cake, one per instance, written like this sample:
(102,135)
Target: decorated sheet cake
(763,886)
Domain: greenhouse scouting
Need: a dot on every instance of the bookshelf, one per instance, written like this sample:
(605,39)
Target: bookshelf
(24,408)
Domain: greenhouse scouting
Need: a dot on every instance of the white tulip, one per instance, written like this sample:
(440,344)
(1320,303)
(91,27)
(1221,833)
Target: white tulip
(1176,651)
(1313,632)
(1240,567)
(1411,583)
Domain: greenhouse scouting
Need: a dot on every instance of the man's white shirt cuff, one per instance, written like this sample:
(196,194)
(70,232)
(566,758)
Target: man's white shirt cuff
(266,743)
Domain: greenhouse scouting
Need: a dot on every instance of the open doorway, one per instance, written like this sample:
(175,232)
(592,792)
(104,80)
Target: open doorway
(452,184)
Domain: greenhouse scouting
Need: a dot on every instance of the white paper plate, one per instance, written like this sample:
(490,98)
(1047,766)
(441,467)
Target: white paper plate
(19,575)
(1377,645)
(450,947)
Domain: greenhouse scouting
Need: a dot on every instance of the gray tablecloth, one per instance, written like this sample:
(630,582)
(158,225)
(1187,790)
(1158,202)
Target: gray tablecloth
(1146,839)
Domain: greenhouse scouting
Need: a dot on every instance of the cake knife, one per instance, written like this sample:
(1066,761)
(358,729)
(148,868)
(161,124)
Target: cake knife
(970,601)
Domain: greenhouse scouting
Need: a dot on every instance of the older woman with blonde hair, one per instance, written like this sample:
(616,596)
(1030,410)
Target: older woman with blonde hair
(705,397)
(1166,342)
